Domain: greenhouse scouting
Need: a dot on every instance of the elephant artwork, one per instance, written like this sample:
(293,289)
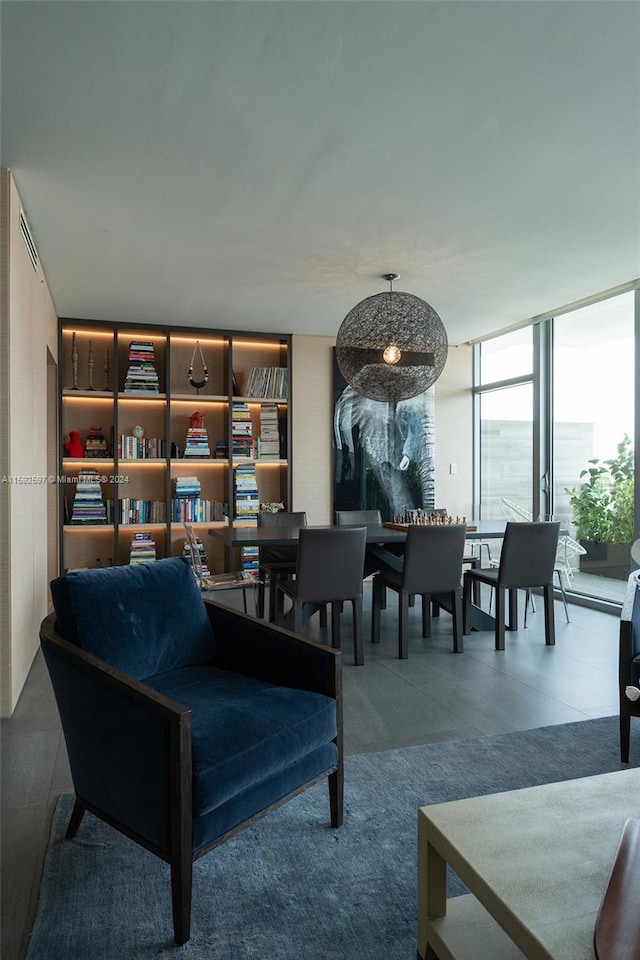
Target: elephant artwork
(384,453)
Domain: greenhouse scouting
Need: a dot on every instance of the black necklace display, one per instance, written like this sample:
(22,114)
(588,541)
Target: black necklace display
(205,371)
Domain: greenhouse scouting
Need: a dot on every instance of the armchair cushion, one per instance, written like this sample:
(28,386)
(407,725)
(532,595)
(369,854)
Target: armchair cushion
(244,731)
(144,619)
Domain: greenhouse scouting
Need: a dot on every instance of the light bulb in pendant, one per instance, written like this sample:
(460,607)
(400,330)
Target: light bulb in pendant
(391,354)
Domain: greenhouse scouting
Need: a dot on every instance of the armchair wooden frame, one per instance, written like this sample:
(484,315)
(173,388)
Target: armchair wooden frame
(628,652)
(243,644)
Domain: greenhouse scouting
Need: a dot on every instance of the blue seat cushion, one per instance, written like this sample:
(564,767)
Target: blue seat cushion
(143,619)
(244,731)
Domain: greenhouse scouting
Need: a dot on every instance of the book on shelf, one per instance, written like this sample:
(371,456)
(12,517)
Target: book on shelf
(131,511)
(141,448)
(197,445)
(265,382)
(141,376)
(269,445)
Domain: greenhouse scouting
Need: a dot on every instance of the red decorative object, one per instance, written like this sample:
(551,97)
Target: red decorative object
(74,446)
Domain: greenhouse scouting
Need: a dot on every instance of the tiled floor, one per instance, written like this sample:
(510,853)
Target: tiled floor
(433,696)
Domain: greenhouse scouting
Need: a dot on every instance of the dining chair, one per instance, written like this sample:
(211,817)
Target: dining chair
(432,569)
(527,560)
(276,563)
(330,569)
(567,548)
(366,518)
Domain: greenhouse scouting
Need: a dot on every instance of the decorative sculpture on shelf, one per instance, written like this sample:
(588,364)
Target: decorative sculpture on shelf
(74,447)
(196,421)
(74,361)
(90,366)
(205,371)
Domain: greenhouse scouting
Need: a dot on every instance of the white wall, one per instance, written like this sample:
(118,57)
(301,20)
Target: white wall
(312,429)
(28,337)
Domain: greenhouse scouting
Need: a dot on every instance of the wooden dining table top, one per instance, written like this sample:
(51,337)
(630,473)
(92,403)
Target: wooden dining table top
(238,535)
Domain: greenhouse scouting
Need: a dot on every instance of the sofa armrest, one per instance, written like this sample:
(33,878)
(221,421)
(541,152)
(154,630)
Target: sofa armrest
(270,653)
(129,747)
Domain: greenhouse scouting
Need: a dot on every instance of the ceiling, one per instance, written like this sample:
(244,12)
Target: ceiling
(259,165)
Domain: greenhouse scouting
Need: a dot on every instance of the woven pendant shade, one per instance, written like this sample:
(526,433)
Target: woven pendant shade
(391,346)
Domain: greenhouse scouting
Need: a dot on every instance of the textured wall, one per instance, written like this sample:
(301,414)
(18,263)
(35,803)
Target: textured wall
(29,330)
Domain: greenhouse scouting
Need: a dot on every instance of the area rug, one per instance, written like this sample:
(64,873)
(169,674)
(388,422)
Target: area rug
(292,888)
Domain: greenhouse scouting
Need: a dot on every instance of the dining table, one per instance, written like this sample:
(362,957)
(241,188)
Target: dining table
(380,537)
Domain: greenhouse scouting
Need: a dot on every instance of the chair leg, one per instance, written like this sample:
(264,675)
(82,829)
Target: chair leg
(467,582)
(336,796)
(376,604)
(260,600)
(76,817)
(336,607)
(403,625)
(564,596)
(297,616)
(513,610)
(549,615)
(456,610)
(358,652)
(273,590)
(181,881)
(323,615)
(500,617)
(426,615)
(625,734)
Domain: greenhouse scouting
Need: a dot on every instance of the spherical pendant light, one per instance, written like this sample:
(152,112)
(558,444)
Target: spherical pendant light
(391,346)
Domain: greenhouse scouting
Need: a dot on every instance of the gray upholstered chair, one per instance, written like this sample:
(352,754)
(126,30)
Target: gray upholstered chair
(330,570)
(276,563)
(185,721)
(527,560)
(432,569)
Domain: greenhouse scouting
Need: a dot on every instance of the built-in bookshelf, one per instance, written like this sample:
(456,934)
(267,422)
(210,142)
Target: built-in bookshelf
(160,407)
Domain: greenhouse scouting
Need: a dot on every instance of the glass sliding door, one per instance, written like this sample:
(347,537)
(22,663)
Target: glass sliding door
(593,420)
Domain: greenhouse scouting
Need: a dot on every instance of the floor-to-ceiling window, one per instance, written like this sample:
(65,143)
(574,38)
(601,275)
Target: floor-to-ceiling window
(593,431)
(505,422)
(555,434)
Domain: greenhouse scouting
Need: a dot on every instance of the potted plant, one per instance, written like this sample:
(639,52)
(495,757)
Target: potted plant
(603,513)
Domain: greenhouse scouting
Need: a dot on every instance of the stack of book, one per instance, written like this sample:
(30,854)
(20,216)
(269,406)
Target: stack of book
(247,497)
(197,445)
(204,560)
(141,375)
(241,431)
(88,502)
(269,444)
(143,549)
(266,382)
(250,560)
(222,449)
(96,443)
(188,487)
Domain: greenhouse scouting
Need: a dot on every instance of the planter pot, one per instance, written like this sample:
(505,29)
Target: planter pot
(611,560)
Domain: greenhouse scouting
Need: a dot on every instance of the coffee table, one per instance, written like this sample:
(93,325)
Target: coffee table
(536,861)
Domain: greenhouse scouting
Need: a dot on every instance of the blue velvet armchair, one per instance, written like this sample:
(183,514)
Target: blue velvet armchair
(184,720)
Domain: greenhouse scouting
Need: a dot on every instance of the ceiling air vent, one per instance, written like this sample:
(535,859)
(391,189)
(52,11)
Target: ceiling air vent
(28,240)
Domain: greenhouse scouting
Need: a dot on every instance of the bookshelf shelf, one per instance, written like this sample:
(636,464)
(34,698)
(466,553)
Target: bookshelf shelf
(97,365)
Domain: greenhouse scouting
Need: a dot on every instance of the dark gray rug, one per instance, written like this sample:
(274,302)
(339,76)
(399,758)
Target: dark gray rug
(291,888)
